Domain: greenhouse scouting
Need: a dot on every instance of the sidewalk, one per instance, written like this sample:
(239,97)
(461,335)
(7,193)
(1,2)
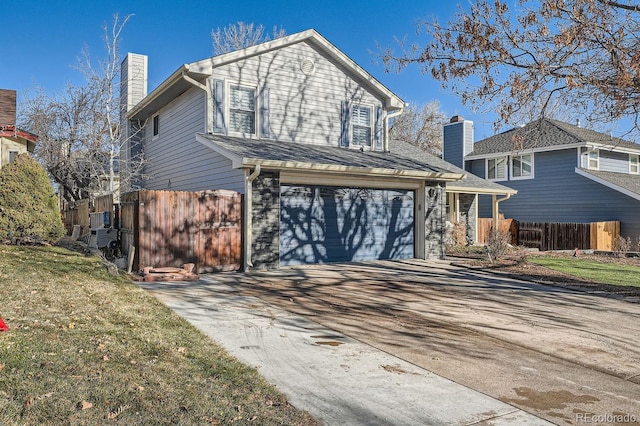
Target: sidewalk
(339,380)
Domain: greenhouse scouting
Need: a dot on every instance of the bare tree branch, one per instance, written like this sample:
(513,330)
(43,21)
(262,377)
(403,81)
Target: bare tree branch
(504,56)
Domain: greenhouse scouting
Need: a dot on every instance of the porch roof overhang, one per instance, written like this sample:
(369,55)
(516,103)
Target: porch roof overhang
(291,157)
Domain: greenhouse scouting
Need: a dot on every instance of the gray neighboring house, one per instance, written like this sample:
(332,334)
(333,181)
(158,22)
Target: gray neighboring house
(302,131)
(462,195)
(562,172)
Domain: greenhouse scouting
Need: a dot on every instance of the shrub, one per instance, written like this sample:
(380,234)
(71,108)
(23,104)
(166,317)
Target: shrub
(28,205)
(621,246)
(499,242)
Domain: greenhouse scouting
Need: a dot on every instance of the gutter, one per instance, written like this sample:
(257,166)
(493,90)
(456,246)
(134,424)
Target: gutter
(334,168)
(386,127)
(248,205)
(496,222)
(208,124)
(173,78)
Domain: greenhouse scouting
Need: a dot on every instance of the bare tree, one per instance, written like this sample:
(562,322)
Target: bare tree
(506,56)
(79,133)
(239,36)
(421,126)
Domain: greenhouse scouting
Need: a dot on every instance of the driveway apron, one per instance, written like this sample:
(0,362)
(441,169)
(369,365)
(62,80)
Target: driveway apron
(336,378)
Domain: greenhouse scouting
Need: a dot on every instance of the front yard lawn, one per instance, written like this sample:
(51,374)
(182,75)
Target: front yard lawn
(614,273)
(86,347)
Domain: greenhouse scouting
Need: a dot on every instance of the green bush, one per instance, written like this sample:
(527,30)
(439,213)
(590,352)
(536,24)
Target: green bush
(28,206)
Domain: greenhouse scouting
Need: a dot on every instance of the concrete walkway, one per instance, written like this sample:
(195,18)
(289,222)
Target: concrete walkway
(337,379)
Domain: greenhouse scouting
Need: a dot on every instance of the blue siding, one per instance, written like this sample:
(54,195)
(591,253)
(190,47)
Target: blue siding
(558,194)
(453,145)
(330,224)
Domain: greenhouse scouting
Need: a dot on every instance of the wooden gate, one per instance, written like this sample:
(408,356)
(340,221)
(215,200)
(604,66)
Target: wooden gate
(170,228)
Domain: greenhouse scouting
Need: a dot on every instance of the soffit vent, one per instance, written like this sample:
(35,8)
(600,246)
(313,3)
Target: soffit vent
(307,66)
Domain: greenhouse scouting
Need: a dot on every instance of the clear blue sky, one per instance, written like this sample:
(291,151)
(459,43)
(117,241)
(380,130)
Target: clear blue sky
(40,40)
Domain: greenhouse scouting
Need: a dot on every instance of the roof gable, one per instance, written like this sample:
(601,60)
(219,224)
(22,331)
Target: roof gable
(545,135)
(177,83)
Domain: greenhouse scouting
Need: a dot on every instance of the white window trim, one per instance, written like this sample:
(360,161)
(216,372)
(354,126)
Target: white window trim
(154,134)
(531,176)
(586,154)
(506,171)
(372,124)
(637,164)
(256,109)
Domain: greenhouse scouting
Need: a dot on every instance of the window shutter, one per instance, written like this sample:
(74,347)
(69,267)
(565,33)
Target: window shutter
(378,136)
(218,107)
(345,135)
(264,113)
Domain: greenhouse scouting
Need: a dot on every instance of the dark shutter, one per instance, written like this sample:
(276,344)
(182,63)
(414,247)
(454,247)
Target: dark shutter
(218,106)
(378,135)
(345,134)
(264,113)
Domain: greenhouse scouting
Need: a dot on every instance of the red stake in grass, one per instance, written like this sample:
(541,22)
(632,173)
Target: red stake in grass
(3,326)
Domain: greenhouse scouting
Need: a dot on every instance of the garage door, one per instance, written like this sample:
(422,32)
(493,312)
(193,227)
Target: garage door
(321,224)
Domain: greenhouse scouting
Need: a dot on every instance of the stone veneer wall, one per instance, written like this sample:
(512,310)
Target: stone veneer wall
(435,220)
(469,213)
(265,213)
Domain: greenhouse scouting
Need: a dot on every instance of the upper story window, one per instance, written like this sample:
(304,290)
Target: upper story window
(242,110)
(522,166)
(497,168)
(156,125)
(361,126)
(12,156)
(590,159)
(633,164)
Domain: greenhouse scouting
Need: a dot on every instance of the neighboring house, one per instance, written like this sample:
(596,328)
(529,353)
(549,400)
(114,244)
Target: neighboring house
(462,197)
(13,141)
(562,172)
(302,131)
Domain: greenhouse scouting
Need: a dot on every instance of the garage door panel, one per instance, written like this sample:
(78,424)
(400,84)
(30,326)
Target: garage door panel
(328,224)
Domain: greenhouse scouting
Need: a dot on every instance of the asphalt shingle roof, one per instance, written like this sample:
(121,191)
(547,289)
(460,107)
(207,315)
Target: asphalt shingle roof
(315,154)
(471,181)
(545,133)
(625,181)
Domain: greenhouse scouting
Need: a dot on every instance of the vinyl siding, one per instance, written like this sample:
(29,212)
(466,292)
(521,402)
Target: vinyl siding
(458,142)
(176,160)
(453,146)
(614,162)
(303,108)
(558,194)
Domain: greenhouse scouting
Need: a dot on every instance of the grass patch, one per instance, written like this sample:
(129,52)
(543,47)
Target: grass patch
(593,270)
(85,347)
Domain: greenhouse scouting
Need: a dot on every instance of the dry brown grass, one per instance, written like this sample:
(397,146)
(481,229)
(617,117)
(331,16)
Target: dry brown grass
(85,347)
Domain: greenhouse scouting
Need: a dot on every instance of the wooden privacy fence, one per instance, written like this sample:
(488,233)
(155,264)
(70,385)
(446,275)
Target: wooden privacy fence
(556,236)
(79,213)
(170,229)
(486,225)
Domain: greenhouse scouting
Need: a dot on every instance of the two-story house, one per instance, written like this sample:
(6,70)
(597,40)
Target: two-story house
(562,172)
(301,131)
(13,141)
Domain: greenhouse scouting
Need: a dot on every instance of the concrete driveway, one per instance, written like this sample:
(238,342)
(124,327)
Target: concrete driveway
(423,342)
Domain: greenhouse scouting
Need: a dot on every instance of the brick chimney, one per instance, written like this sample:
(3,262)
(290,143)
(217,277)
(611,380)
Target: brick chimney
(458,140)
(7,107)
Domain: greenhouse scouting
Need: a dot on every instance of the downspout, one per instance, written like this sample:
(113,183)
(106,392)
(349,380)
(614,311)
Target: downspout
(208,122)
(386,127)
(495,209)
(248,218)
